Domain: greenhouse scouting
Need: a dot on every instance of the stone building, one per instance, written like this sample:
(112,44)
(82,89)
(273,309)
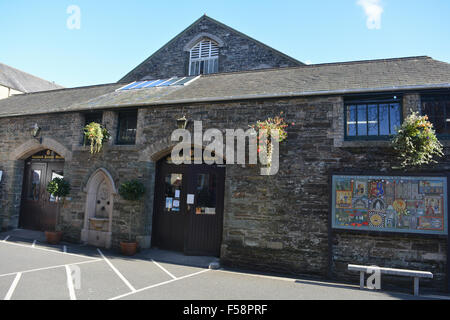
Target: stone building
(296,221)
(13,81)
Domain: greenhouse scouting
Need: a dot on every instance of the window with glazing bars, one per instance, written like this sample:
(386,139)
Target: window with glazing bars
(437,108)
(90,117)
(93,117)
(372,118)
(204,58)
(127,127)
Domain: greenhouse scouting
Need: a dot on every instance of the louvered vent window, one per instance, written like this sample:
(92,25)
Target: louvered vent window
(204,58)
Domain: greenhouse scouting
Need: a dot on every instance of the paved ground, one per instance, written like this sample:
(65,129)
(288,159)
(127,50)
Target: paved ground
(31,269)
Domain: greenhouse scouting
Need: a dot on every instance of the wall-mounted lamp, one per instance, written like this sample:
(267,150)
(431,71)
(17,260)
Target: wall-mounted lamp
(182,123)
(35,130)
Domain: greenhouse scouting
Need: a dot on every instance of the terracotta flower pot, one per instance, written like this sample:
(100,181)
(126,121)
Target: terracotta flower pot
(53,237)
(128,248)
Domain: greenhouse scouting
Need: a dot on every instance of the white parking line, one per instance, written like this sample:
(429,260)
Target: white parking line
(163,269)
(128,284)
(34,244)
(6,239)
(160,284)
(64,249)
(48,268)
(70,284)
(13,286)
(48,250)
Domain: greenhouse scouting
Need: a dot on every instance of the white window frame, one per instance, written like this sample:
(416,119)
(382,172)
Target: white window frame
(204,57)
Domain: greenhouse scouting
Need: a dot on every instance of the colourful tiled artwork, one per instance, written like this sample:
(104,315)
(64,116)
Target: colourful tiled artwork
(388,203)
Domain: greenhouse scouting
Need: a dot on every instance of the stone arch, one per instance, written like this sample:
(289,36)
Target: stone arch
(96,174)
(100,190)
(161,149)
(33,146)
(201,36)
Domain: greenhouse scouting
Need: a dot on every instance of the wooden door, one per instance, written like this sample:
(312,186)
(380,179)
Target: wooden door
(39,209)
(188,208)
(32,196)
(50,207)
(205,215)
(170,207)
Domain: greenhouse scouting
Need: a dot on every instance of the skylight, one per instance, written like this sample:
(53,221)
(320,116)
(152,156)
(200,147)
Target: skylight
(175,81)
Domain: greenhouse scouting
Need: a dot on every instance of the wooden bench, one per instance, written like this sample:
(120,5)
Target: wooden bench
(391,271)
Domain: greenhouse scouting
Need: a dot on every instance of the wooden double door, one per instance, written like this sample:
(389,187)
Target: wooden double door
(38,208)
(188,211)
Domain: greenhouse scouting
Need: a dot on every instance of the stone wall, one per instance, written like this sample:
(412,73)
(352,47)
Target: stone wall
(273,223)
(237,53)
(63,135)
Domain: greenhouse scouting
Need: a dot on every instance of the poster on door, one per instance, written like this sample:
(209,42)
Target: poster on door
(406,204)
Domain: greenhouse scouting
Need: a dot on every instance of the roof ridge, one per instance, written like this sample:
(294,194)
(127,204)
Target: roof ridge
(322,64)
(68,89)
(376,60)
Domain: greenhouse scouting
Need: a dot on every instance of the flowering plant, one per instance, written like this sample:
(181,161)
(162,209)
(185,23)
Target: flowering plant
(265,130)
(416,142)
(97,135)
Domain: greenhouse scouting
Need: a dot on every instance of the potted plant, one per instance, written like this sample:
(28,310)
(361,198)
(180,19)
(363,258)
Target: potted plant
(130,191)
(58,188)
(97,135)
(415,142)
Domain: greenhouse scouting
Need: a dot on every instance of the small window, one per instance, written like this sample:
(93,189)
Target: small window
(204,58)
(127,128)
(368,119)
(90,117)
(437,108)
(93,117)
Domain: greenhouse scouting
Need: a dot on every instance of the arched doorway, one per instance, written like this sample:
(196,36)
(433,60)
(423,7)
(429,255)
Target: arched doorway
(39,210)
(188,210)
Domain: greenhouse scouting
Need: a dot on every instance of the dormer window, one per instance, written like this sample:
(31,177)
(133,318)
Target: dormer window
(204,58)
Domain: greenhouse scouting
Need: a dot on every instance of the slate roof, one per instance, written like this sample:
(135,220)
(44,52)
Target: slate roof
(22,81)
(410,73)
(52,101)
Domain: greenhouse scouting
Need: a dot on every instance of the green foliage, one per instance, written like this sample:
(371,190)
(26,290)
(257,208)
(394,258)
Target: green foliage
(415,142)
(58,187)
(264,131)
(132,190)
(96,134)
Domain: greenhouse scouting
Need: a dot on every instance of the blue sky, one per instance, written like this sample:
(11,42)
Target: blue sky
(115,36)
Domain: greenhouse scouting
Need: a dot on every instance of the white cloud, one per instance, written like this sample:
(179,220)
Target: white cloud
(373,10)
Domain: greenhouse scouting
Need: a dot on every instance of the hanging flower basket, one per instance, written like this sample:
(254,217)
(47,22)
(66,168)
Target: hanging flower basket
(97,135)
(416,143)
(264,130)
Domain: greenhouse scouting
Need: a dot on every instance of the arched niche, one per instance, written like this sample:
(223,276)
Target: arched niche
(100,190)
